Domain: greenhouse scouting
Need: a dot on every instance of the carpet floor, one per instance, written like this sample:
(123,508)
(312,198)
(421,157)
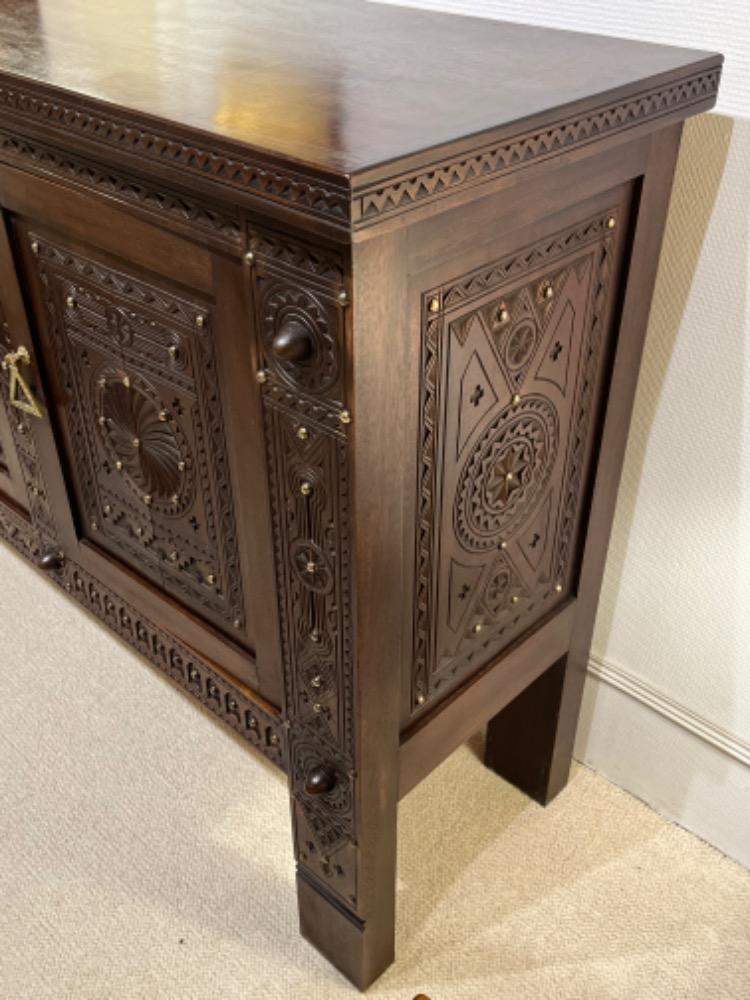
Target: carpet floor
(145,853)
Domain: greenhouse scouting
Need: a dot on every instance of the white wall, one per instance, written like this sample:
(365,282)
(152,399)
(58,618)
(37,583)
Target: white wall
(667,706)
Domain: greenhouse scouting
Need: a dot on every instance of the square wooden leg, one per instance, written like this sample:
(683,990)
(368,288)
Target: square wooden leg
(530,742)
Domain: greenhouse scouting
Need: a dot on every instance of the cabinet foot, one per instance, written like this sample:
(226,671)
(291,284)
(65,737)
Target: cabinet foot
(361,950)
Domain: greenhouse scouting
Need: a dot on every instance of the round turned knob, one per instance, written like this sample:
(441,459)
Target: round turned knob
(320,781)
(52,560)
(292,342)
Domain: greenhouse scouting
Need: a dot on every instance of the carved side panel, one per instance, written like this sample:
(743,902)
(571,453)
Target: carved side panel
(511,356)
(297,287)
(143,415)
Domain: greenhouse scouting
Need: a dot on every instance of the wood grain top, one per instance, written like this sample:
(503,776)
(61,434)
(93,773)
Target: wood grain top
(340,87)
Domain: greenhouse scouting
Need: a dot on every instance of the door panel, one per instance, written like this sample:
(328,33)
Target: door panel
(143,426)
(136,437)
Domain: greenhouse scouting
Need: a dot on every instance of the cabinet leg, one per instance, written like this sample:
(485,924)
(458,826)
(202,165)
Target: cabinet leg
(361,949)
(530,742)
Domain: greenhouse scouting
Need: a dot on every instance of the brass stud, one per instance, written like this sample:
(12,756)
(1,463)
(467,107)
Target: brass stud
(434,305)
(136,442)
(107,509)
(558,588)
(211,579)
(126,381)
(118,465)
(261,376)
(345,417)
(342,297)
(139,531)
(302,433)
(477,628)
(547,291)
(172,350)
(516,399)
(315,636)
(200,321)
(503,314)
(34,247)
(250,257)
(509,476)
(503,545)
(514,599)
(70,302)
(305,489)
(174,556)
(182,465)
(611,222)
(94,526)
(317,707)
(237,623)
(102,383)
(192,674)
(311,566)
(102,421)
(273,739)
(253,722)
(147,499)
(163,416)
(420,699)
(231,704)
(175,498)
(317,681)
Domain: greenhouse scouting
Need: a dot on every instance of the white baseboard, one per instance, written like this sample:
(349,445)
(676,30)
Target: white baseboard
(683,765)
(699,726)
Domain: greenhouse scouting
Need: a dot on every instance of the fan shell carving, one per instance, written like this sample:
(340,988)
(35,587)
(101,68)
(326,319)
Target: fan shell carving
(146,445)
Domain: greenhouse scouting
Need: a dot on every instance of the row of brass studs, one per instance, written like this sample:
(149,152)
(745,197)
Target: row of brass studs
(546,290)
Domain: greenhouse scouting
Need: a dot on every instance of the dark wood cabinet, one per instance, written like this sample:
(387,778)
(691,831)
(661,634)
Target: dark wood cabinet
(317,382)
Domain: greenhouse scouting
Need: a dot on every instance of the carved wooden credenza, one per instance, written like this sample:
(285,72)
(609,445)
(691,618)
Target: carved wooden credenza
(321,326)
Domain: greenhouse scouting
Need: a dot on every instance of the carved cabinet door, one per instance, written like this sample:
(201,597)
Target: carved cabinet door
(142,342)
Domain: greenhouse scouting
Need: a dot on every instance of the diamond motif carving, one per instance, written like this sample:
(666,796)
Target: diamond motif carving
(502,473)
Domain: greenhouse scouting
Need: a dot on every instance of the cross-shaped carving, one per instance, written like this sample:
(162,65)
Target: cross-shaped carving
(476,395)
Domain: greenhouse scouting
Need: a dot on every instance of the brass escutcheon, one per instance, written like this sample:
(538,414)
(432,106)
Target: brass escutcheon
(19,391)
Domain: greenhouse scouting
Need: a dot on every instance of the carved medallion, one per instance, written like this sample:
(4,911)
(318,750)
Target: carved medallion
(509,467)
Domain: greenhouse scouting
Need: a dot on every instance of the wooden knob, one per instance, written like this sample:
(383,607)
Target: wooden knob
(292,342)
(51,561)
(320,781)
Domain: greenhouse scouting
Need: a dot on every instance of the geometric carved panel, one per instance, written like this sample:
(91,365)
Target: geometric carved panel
(146,451)
(299,287)
(510,361)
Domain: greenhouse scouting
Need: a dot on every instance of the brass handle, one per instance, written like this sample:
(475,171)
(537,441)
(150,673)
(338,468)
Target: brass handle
(19,391)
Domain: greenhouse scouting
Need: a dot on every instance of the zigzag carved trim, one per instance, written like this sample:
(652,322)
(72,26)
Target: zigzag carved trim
(230,169)
(448,176)
(312,195)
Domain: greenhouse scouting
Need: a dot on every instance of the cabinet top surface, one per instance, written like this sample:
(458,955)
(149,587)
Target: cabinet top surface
(339,85)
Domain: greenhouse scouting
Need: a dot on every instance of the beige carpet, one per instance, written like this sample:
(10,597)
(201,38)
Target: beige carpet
(146,854)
